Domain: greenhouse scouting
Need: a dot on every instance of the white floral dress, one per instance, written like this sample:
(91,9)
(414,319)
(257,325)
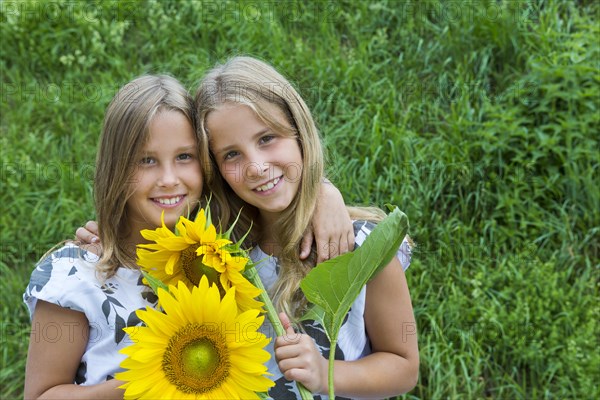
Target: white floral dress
(68,279)
(353,342)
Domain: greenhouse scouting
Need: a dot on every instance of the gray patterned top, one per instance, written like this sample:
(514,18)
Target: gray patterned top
(353,342)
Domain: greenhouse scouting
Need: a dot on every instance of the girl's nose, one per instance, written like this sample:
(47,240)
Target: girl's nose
(256,168)
(168,177)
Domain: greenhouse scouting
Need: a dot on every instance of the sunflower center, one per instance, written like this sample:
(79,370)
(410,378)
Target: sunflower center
(194,269)
(196,359)
(200,358)
(211,274)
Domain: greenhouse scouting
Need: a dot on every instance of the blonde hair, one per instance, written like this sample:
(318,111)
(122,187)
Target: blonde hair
(124,133)
(253,83)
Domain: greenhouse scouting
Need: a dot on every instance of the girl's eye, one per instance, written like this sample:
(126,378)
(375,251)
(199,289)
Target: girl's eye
(266,139)
(230,154)
(185,156)
(147,161)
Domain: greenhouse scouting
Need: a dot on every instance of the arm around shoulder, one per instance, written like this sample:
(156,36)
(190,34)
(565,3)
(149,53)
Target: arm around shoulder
(331,226)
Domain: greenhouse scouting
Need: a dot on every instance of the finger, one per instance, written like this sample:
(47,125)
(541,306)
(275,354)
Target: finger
(351,238)
(286,352)
(85,236)
(335,248)
(92,226)
(302,349)
(287,325)
(322,251)
(296,374)
(286,364)
(288,340)
(306,244)
(342,245)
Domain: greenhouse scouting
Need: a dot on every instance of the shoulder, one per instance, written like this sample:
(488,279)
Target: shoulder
(68,254)
(60,272)
(362,229)
(68,260)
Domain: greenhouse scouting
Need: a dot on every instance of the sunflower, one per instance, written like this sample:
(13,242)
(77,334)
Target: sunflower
(192,352)
(197,250)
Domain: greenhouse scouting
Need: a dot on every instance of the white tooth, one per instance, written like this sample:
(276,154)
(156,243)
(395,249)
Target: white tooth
(268,186)
(171,201)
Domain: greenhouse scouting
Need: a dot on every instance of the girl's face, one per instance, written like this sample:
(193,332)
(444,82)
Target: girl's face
(167,176)
(263,167)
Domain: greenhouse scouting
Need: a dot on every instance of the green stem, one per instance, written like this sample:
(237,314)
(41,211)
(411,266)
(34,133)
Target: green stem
(330,372)
(253,277)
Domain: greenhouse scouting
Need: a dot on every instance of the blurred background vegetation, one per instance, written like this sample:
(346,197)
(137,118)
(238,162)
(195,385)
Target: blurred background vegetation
(479,119)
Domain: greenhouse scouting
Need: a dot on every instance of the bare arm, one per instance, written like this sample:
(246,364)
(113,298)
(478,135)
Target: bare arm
(57,342)
(392,367)
(331,226)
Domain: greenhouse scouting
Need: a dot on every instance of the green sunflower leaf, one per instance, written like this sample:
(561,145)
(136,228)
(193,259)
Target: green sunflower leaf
(334,284)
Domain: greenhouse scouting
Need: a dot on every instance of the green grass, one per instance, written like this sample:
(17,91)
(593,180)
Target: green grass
(479,119)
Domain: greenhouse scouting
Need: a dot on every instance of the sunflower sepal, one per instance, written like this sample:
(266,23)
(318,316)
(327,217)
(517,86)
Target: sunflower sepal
(230,230)
(153,282)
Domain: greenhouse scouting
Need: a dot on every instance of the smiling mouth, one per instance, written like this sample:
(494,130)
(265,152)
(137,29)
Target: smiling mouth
(269,185)
(168,201)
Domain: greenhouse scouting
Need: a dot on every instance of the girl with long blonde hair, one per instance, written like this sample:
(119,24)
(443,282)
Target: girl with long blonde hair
(265,145)
(148,163)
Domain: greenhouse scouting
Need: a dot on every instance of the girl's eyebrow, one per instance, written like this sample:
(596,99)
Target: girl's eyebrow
(187,147)
(190,147)
(231,146)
